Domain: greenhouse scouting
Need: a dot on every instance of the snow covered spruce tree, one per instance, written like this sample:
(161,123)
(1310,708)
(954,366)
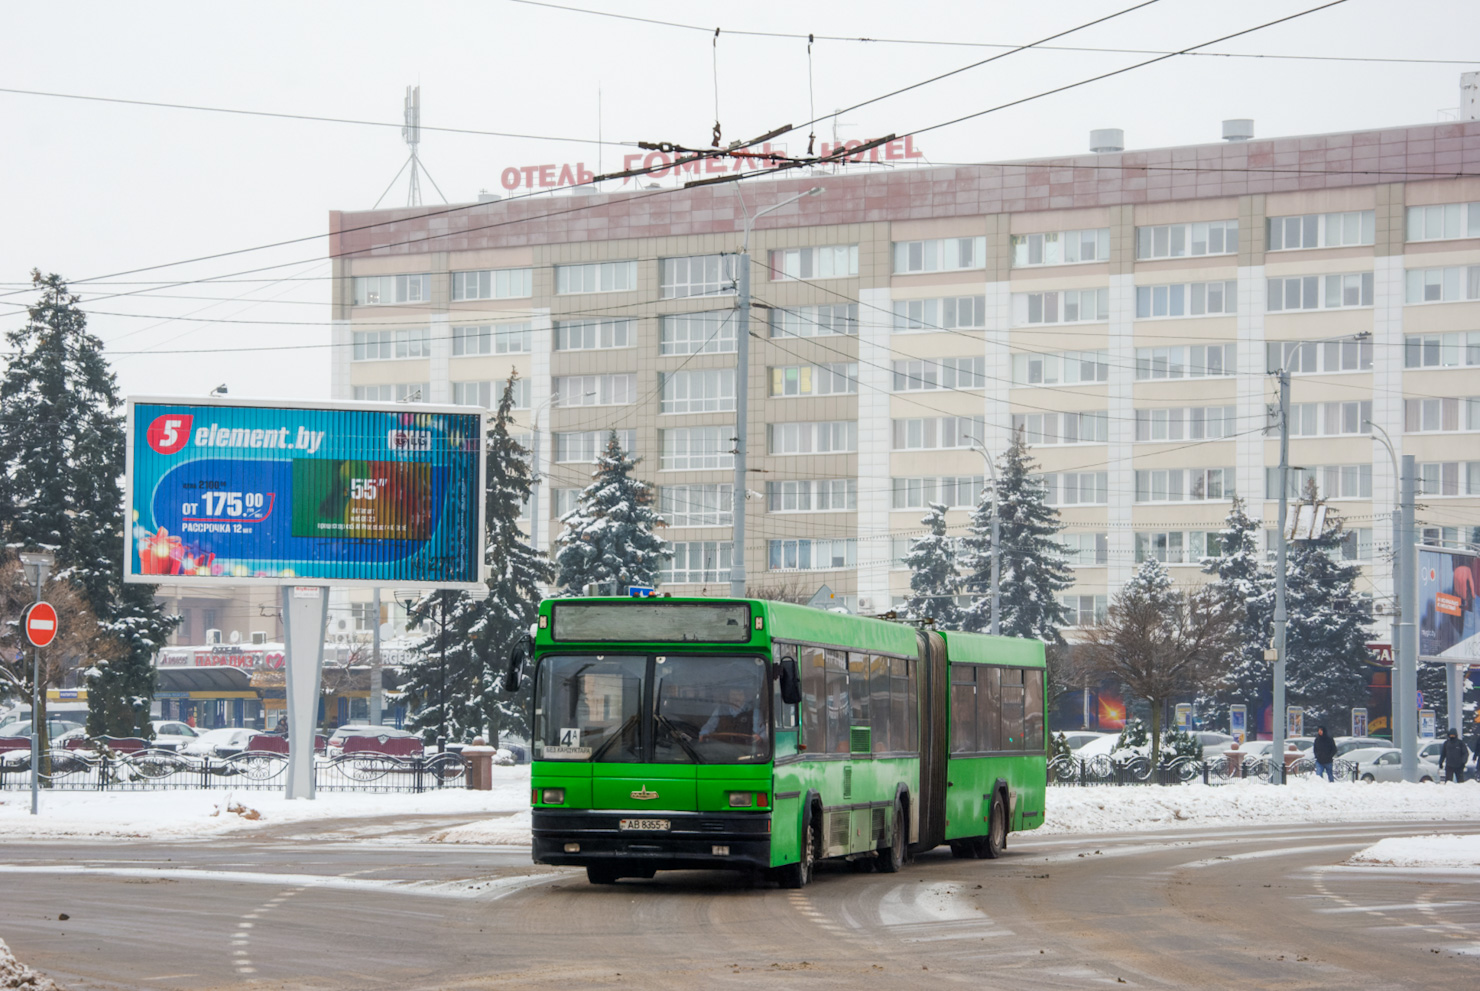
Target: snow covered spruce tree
(61,468)
(1159,641)
(1242,580)
(934,580)
(1033,568)
(610,537)
(481,628)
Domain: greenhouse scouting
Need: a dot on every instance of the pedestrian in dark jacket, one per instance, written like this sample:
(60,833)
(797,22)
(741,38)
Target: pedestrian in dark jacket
(1324,751)
(1475,746)
(1453,757)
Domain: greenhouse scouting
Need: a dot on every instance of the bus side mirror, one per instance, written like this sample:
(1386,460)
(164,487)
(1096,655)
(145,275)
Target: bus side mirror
(791,684)
(519,654)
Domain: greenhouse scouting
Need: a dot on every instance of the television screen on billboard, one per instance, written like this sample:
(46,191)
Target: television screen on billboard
(1448,610)
(242,492)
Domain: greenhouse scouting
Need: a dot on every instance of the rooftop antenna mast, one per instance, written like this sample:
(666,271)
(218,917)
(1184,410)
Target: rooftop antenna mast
(411,134)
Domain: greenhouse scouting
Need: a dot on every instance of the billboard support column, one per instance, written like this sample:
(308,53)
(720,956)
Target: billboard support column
(1405,651)
(1456,693)
(305,619)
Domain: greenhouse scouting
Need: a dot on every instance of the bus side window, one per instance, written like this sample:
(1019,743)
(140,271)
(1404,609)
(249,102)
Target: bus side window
(1033,710)
(837,701)
(785,716)
(989,709)
(858,685)
(963,709)
(899,701)
(878,680)
(814,699)
(1012,709)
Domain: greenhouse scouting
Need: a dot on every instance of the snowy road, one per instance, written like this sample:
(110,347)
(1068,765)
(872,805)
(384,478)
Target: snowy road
(320,907)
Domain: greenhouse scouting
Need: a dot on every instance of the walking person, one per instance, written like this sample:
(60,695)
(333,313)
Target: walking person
(1453,758)
(1324,751)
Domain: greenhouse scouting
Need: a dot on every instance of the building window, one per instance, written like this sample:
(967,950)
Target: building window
(1326,419)
(595,277)
(499,338)
(1085,610)
(1193,299)
(1443,285)
(696,561)
(1356,545)
(1061,247)
(815,321)
(700,390)
(382,290)
(812,555)
(1332,482)
(1085,549)
(1066,368)
(1449,478)
(1184,484)
(1076,488)
(1445,222)
(1439,415)
(399,392)
(1062,428)
(585,446)
(566,500)
(952,491)
(697,505)
(816,437)
(1320,292)
(594,335)
(946,313)
(952,254)
(812,496)
(834,261)
(619,389)
(937,432)
(1060,306)
(488,394)
(376,345)
(1320,230)
(1441,350)
(1177,546)
(365,616)
(1194,361)
(940,373)
(711,332)
(1312,357)
(835,379)
(503,283)
(697,448)
(696,275)
(1186,423)
(1217,237)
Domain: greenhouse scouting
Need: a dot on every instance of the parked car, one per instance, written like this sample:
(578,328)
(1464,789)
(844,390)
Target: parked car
(223,742)
(1386,764)
(1346,744)
(22,727)
(171,734)
(337,738)
(1079,738)
(1213,743)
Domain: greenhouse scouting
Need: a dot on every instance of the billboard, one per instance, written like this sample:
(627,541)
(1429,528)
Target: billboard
(1448,610)
(231,492)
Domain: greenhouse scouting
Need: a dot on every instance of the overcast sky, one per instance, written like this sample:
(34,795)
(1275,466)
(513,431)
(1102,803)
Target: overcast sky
(94,188)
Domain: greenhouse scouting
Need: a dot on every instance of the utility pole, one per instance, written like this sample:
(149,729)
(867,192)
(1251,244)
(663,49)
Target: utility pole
(377,694)
(979,447)
(742,383)
(1277,747)
(1405,657)
(1395,723)
(38,566)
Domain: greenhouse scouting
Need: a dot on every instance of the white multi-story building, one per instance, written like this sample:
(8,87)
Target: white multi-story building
(1121,309)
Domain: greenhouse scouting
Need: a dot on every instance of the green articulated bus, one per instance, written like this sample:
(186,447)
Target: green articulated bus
(759,736)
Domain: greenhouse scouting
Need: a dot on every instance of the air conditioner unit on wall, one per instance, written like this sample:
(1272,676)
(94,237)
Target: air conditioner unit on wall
(213,636)
(865,604)
(258,636)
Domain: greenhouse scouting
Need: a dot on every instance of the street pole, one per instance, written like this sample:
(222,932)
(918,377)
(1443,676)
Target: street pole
(1277,746)
(36,723)
(1394,722)
(442,643)
(742,390)
(377,693)
(980,448)
(1405,698)
(534,484)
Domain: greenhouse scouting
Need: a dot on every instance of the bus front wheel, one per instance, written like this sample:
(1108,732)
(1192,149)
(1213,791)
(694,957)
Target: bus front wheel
(799,874)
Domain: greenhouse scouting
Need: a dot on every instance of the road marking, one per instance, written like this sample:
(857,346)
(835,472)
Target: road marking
(1397,907)
(1284,851)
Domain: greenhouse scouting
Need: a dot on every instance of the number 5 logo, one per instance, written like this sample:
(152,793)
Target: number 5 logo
(170,433)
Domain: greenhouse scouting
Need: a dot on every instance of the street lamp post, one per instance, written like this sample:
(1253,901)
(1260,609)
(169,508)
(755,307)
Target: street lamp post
(38,566)
(742,383)
(1397,624)
(980,448)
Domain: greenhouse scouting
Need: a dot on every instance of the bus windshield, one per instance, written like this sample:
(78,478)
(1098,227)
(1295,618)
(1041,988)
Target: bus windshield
(645,709)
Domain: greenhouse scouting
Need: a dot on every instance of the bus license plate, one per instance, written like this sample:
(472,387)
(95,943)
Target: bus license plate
(649,825)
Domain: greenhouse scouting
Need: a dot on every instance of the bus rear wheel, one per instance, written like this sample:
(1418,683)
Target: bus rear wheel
(891,860)
(995,841)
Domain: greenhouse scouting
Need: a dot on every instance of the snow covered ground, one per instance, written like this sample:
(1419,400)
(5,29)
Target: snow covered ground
(14,974)
(501,816)
(1445,850)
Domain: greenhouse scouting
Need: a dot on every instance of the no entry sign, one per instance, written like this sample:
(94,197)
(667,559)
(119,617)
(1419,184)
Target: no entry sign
(41,624)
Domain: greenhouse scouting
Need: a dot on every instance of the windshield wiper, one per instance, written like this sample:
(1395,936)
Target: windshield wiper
(678,738)
(607,743)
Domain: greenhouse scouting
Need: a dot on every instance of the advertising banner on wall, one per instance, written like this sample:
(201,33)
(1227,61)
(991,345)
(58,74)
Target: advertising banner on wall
(1448,607)
(274,493)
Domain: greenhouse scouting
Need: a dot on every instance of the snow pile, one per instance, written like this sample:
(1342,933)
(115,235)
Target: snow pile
(1094,810)
(14,974)
(510,830)
(1438,850)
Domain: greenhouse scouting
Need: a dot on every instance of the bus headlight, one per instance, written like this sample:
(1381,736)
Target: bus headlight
(552,796)
(741,799)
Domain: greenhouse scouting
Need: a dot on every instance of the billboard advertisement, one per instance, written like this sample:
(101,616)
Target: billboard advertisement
(1448,610)
(230,492)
